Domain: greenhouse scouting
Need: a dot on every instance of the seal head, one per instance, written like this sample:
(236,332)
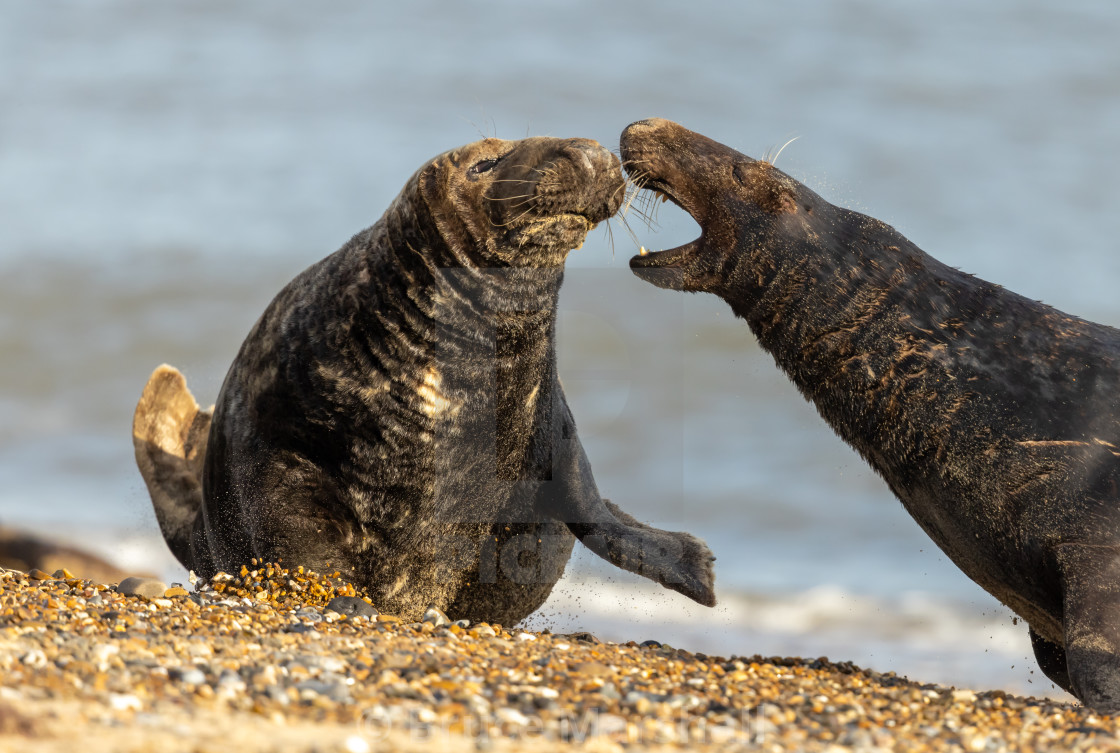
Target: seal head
(723,190)
(522,203)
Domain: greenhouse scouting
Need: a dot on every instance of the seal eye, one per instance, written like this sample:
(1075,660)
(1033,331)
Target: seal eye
(484,166)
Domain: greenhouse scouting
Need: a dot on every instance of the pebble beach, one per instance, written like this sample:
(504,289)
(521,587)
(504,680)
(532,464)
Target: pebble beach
(271,659)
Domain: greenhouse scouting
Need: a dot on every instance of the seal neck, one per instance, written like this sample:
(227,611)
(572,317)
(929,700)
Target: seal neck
(413,287)
(862,321)
(792,292)
(440,262)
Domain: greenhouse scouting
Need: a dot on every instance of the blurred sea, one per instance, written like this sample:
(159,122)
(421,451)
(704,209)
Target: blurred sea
(166,167)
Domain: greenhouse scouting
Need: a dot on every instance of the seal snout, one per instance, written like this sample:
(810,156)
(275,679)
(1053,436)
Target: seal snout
(587,180)
(641,127)
(590,155)
(548,193)
(657,156)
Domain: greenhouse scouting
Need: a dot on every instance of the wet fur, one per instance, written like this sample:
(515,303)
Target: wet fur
(395,414)
(995,419)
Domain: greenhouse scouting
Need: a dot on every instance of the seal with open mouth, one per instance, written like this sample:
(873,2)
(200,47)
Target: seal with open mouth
(395,414)
(994,419)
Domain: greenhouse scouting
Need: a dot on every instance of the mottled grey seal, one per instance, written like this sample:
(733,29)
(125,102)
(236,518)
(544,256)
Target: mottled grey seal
(994,419)
(395,414)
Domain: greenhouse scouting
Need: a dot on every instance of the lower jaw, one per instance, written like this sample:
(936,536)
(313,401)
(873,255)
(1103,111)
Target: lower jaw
(670,278)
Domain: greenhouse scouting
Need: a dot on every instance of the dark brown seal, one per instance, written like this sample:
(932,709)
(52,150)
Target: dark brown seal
(395,414)
(994,419)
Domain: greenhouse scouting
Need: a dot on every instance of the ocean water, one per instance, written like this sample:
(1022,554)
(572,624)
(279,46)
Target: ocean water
(166,168)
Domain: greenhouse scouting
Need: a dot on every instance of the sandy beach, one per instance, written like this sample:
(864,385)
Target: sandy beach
(256,661)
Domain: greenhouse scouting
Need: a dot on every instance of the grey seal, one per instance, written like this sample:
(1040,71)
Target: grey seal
(395,415)
(995,419)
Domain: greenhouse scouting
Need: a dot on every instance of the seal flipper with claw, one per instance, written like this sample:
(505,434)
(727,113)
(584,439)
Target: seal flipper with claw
(169,434)
(677,560)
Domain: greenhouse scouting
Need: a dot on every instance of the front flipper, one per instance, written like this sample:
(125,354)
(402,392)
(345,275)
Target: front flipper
(677,560)
(1091,621)
(1051,660)
(684,558)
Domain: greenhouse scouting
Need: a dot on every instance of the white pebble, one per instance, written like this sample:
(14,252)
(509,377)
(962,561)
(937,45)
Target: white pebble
(355,744)
(506,715)
(435,616)
(35,659)
(102,653)
(609,724)
(526,637)
(192,676)
(122,702)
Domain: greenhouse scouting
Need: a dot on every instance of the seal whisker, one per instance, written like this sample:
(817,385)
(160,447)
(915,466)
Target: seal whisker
(647,208)
(549,169)
(630,231)
(509,198)
(514,220)
(774,159)
(640,206)
(632,189)
(610,236)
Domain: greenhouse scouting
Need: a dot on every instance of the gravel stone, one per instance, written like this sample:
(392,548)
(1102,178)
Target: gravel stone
(147,587)
(351,606)
(435,616)
(244,647)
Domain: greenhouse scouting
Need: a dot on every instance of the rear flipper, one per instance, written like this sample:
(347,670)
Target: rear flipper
(169,434)
(1091,579)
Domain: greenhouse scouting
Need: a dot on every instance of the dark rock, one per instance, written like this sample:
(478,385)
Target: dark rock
(351,606)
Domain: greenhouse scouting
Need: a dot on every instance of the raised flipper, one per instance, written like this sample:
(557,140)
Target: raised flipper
(1051,660)
(677,560)
(169,435)
(1091,620)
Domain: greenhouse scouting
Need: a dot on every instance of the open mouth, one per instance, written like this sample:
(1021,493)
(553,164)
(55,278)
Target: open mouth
(665,269)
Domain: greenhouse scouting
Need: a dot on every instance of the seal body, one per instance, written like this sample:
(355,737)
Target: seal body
(395,414)
(995,419)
